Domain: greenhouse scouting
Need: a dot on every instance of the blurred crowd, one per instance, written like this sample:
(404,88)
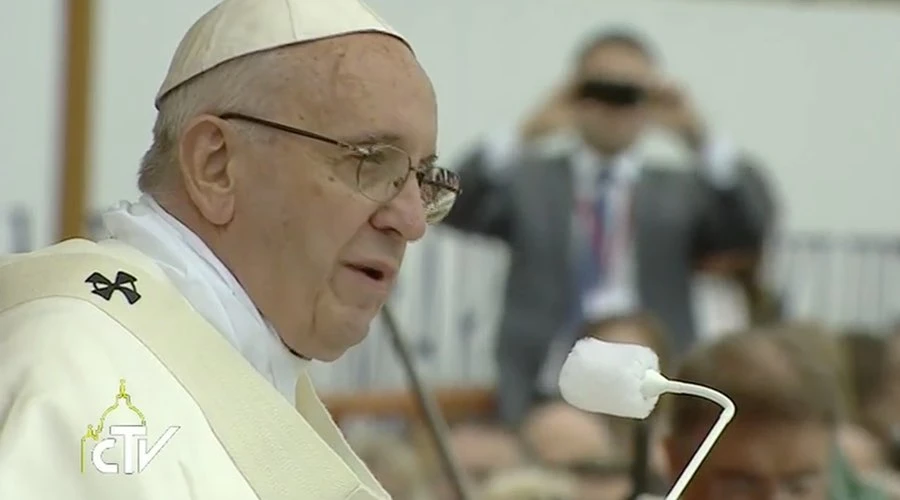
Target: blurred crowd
(817,419)
(606,242)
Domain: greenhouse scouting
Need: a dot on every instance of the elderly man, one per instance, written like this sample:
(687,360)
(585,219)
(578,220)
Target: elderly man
(292,162)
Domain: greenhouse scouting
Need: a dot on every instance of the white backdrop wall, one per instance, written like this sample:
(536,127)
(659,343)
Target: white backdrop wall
(812,90)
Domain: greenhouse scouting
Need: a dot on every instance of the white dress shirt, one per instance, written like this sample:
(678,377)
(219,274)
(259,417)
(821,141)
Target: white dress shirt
(719,305)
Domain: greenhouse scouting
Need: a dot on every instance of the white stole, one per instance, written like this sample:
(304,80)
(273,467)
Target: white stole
(208,285)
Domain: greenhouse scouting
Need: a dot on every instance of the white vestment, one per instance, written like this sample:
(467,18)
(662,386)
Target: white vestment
(72,343)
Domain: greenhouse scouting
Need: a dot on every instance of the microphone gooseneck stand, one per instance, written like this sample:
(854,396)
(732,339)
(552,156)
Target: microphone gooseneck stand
(437,427)
(640,460)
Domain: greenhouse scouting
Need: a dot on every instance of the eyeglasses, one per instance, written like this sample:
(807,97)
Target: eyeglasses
(383,170)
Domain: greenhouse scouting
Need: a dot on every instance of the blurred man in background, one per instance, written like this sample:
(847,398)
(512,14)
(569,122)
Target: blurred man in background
(598,219)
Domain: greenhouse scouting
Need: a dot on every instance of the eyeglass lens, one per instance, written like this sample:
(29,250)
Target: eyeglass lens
(383,172)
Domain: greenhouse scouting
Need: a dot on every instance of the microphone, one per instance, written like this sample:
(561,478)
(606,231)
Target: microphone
(623,380)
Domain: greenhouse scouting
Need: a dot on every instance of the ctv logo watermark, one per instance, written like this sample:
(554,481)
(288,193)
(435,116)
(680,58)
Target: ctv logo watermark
(137,451)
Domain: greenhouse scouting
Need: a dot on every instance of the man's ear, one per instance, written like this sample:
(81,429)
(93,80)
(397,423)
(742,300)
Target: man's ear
(205,156)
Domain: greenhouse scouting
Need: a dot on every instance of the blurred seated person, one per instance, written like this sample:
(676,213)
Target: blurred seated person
(861,450)
(563,438)
(608,316)
(859,465)
(594,216)
(392,461)
(642,329)
(874,367)
(613,321)
(529,484)
(782,441)
(482,451)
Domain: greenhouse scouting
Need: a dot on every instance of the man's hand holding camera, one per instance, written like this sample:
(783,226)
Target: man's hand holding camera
(664,104)
(671,108)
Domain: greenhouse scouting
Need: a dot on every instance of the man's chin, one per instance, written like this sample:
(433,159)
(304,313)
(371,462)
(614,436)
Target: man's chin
(330,356)
(350,329)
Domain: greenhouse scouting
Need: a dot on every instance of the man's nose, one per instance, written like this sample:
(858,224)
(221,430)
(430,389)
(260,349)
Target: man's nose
(405,214)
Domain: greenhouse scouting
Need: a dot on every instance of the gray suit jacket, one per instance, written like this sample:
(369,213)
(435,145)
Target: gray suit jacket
(678,215)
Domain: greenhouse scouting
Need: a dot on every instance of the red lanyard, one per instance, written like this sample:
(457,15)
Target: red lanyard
(593,218)
(592,213)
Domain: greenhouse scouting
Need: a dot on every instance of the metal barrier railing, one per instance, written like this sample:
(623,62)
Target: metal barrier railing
(840,280)
(450,296)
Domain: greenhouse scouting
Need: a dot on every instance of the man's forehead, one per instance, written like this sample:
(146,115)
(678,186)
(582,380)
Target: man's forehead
(366,83)
(342,65)
(370,64)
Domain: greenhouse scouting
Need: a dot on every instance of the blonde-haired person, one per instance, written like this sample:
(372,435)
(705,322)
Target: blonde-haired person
(529,483)
(781,442)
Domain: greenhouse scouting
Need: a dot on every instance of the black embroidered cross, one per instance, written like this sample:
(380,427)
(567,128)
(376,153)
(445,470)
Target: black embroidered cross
(105,288)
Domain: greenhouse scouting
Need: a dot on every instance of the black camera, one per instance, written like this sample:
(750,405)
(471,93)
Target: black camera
(611,93)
